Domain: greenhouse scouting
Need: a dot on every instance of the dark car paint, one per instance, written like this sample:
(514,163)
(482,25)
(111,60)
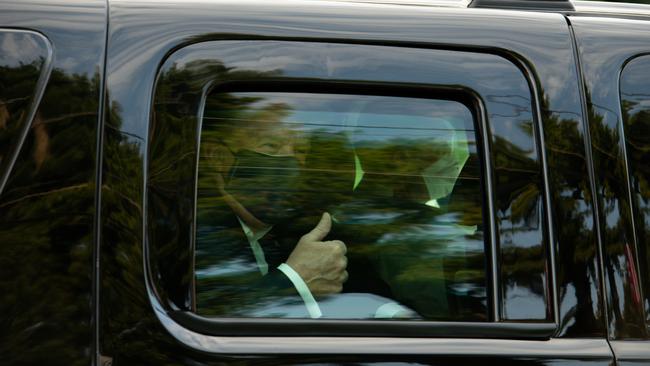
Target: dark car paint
(47,207)
(603,57)
(68,227)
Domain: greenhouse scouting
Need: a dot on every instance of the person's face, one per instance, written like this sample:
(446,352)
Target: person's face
(260,169)
(274,139)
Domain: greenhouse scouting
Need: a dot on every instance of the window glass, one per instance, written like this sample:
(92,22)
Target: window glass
(339,206)
(22,56)
(635,105)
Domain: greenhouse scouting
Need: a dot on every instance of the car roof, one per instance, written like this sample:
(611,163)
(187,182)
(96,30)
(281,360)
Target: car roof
(582,7)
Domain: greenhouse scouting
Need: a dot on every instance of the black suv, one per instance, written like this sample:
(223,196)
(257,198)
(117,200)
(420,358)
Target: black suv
(324,182)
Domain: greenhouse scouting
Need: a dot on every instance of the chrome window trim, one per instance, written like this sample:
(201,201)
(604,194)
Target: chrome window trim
(600,7)
(428,3)
(553,348)
(631,350)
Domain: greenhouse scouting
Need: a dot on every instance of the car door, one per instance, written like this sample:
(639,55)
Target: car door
(615,67)
(446,144)
(51,62)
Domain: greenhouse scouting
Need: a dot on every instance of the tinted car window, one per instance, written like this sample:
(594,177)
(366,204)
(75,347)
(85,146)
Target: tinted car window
(22,58)
(399,177)
(635,105)
(216,88)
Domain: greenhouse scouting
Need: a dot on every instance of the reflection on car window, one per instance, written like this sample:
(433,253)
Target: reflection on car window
(635,100)
(22,56)
(339,206)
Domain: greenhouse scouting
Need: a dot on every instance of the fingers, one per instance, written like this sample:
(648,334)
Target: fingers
(329,286)
(338,246)
(344,277)
(322,265)
(337,267)
(321,230)
(344,263)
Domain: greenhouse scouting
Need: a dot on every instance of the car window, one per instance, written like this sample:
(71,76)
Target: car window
(285,191)
(635,106)
(22,58)
(397,180)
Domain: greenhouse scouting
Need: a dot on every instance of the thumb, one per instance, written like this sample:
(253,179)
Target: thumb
(321,230)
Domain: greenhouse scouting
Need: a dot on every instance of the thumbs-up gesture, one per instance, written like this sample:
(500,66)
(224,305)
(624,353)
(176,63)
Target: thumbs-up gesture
(321,264)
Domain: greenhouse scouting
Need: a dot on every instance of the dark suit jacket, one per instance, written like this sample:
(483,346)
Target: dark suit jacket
(228,279)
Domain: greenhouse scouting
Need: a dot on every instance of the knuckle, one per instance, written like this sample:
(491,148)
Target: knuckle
(344,276)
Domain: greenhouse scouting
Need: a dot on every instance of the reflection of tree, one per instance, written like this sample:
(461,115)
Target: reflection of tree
(577,268)
(129,329)
(17,88)
(572,212)
(46,220)
(616,223)
(517,180)
(636,119)
(517,185)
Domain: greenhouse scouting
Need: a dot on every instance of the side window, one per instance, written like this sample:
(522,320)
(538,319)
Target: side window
(399,179)
(347,182)
(23,57)
(635,105)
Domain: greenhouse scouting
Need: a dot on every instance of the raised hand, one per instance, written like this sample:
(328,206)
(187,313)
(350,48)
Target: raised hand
(321,264)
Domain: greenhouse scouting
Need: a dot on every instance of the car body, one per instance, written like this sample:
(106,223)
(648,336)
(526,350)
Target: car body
(84,279)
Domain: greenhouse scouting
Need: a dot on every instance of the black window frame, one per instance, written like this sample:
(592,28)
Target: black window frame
(41,60)
(637,219)
(495,328)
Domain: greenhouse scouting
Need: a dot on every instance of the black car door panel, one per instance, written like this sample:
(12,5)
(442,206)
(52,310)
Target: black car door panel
(403,45)
(614,69)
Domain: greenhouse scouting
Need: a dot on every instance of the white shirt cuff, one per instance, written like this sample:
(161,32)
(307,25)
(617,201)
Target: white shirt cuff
(303,290)
(393,310)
